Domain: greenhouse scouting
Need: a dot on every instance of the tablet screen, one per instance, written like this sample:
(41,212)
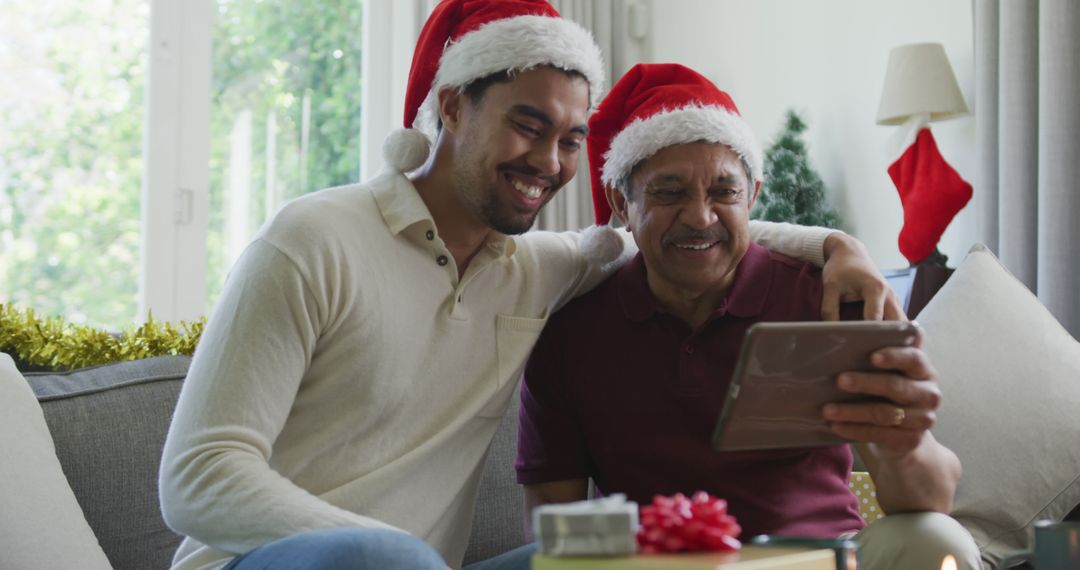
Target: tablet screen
(787,371)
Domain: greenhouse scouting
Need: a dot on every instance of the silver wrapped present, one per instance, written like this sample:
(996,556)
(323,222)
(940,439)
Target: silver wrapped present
(602,527)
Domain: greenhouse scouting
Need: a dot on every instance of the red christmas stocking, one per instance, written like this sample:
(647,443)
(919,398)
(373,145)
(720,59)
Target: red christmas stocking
(931,192)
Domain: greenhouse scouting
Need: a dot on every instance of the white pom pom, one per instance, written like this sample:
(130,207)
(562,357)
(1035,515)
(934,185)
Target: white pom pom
(406,150)
(601,244)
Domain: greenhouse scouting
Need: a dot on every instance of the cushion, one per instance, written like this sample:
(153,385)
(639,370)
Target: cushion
(109,424)
(1010,377)
(866,492)
(41,521)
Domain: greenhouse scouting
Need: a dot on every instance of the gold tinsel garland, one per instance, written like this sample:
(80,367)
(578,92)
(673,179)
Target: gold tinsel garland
(50,343)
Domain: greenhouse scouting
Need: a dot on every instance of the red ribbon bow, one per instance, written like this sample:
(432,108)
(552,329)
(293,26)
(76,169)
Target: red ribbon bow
(679,524)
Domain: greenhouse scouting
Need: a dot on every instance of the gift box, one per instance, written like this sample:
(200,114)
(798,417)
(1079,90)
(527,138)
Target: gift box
(602,527)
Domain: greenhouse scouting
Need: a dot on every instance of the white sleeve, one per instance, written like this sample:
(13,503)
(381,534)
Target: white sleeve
(574,262)
(216,483)
(805,243)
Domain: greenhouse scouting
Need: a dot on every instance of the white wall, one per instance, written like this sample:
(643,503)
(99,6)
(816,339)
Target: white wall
(827,58)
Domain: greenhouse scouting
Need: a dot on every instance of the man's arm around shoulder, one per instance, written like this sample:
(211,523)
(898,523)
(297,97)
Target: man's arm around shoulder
(849,274)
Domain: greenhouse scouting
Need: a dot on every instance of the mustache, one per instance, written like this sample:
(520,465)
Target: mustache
(711,234)
(526,170)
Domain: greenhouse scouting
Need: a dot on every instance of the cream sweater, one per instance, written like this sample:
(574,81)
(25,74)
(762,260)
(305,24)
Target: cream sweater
(347,377)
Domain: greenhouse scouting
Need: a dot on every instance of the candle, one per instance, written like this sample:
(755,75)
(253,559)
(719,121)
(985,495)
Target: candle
(949,563)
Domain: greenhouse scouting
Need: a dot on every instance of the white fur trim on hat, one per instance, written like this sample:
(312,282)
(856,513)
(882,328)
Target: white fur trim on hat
(694,123)
(519,43)
(406,150)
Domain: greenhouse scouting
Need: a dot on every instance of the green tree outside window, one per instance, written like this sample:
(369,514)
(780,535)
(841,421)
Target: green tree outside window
(71,131)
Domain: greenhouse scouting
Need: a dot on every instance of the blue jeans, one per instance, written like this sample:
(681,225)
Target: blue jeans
(361,548)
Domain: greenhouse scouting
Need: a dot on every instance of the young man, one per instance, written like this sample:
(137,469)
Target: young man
(626,382)
(367,342)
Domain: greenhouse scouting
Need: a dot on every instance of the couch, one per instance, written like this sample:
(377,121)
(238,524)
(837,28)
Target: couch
(1019,449)
(108,424)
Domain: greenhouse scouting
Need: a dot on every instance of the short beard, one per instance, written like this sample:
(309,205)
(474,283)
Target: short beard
(485,205)
(503,225)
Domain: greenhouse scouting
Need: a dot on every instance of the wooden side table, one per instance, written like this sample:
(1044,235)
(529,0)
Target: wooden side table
(747,558)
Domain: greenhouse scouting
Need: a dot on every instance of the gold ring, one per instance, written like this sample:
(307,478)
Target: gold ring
(898,416)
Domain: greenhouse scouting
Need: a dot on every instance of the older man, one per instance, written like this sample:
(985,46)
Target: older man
(625,384)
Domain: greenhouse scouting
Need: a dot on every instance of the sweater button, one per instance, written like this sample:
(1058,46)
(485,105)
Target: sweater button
(442,260)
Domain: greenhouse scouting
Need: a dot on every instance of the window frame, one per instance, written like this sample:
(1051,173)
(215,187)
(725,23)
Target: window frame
(176,141)
(176,149)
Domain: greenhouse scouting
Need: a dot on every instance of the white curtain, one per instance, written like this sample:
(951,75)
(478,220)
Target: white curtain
(621,29)
(390,32)
(1027,116)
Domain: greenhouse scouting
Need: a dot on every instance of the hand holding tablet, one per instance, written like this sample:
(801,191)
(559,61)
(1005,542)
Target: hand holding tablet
(787,373)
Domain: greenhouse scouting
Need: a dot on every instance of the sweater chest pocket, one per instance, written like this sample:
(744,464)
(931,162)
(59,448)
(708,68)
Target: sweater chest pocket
(514,340)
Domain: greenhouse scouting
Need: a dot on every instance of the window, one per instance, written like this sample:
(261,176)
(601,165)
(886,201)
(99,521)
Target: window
(136,161)
(285,114)
(71,128)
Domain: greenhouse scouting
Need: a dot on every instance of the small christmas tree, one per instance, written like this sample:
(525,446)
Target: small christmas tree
(792,191)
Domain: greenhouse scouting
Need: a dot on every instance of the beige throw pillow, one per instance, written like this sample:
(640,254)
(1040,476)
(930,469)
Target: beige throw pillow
(41,524)
(1010,376)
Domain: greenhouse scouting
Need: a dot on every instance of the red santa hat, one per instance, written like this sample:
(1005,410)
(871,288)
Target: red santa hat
(657,105)
(465,40)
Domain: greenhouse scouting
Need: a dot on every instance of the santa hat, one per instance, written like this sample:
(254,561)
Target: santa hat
(465,40)
(657,105)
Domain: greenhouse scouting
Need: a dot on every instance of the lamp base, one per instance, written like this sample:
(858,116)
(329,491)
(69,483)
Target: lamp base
(930,274)
(935,258)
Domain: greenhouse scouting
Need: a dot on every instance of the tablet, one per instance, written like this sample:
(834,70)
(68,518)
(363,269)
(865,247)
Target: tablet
(787,371)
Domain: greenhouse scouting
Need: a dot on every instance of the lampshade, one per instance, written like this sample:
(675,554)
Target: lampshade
(919,81)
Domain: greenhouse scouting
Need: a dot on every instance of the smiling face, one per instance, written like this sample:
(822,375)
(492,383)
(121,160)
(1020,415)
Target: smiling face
(517,146)
(689,211)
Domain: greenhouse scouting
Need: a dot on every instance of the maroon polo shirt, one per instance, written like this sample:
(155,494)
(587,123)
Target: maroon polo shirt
(619,390)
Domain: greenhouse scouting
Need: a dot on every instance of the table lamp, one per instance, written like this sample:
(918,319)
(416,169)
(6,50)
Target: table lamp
(919,88)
